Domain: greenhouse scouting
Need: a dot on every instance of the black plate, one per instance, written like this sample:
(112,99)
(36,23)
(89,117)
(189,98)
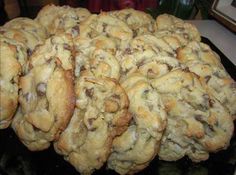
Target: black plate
(15,159)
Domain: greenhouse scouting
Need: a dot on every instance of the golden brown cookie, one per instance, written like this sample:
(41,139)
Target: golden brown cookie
(97,56)
(100,115)
(58,19)
(140,22)
(197,122)
(28,25)
(29,39)
(137,146)
(46,94)
(12,58)
(168,25)
(200,59)
(105,24)
(148,55)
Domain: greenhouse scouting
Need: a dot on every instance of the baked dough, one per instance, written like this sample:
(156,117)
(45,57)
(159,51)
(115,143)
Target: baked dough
(12,59)
(140,22)
(200,59)
(138,145)
(168,25)
(100,115)
(197,122)
(58,19)
(46,94)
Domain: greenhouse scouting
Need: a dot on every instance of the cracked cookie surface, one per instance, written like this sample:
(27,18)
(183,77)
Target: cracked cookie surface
(12,59)
(197,122)
(138,145)
(46,94)
(100,115)
(200,59)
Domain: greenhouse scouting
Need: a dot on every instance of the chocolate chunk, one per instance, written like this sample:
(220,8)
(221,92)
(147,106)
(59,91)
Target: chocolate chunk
(29,52)
(207,78)
(199,118)
(27,96)
(116,96)
(82,68)
(186,69)
(104,25)
(75,30)
(66,46)
(41,89)
(128,51)
(127,16)
(141,63)
(89,92)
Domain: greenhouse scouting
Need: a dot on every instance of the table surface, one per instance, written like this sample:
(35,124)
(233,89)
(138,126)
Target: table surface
(223,38)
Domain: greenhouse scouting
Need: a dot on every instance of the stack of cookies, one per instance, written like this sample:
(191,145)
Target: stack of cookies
(116,88)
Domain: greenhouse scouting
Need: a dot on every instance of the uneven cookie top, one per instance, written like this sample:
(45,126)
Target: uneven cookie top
(29,39)
(200,59)
(138,145)
(97,55)
(58,19)
(12,58)
(100,115)
(197,122)
(168,25)
(148,55)
(28,25)
(105,24)
(140,22)
(46,94)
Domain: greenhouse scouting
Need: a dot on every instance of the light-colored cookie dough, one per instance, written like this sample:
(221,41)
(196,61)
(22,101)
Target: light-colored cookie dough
(12,59)
(46,94)
(137,146)
(197,122)
(100,115)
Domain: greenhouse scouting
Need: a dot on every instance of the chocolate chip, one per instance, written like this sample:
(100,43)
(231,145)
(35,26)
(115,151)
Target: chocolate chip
(128,51)
(89,92)
(116,96)
(135,33)
(169,67)
(29,52)
(66,46)
(75,30)
(27,96)
(199,118)
(211,102)
(127,16)
(186,69)
(104,25)
(207,78)
(141,63)
(41,89)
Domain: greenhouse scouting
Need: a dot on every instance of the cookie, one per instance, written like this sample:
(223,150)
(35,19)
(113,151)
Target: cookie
(148,55)
(138,145)
(46,94)
(97,56)
(12,58)
(105,24)
(100,115)
(200,59)
(27,38)
(28,25)
(140,22)
(197,123)
(58,19)
(168,25)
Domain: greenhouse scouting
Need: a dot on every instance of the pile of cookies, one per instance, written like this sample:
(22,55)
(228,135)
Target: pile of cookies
(116,88)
